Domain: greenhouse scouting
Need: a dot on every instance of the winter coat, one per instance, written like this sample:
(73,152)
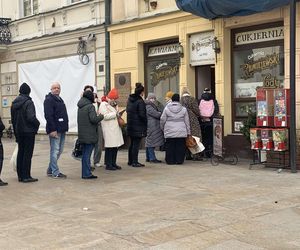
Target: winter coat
(23,116)
(155,136)
(174,121)
(208,97)
(56,115)
(190,103)
(112,132)
(87,121)
(2,127)
(136,116)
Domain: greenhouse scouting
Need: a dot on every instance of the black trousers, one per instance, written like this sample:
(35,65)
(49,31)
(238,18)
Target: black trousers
(111,157)
(133,150)
(25,151)
(1,156)
(207,137)
(175,150)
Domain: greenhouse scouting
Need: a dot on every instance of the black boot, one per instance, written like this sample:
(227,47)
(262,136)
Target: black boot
(2,183)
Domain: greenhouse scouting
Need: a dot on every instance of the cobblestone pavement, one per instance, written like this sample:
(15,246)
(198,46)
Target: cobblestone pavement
(193,206)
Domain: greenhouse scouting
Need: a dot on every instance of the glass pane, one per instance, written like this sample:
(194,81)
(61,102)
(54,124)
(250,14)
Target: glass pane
(242,108)
(35,6)
(162,76)
(253,67)
(27,7)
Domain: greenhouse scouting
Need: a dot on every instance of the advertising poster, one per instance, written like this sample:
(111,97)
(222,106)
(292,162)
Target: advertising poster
(218,136)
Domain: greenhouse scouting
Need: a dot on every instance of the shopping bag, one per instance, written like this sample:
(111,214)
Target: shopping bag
(77,150)
(199,147)
(13,160)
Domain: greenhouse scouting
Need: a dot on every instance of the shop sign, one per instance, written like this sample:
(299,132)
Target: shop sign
(201,52)
(218,136)
(163,71)
(167,49)
(253,66)
(271,82)
(257,36)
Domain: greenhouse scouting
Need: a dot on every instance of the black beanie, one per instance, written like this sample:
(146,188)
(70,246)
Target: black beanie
(139,88)
(175,98)
(24,89)
(89,95)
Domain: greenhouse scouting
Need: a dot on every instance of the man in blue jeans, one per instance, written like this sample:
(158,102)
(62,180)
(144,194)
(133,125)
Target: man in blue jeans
(57,125)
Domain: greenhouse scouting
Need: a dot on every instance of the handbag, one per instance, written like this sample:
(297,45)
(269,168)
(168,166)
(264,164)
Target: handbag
(77,150)
(190,141)
(121,121)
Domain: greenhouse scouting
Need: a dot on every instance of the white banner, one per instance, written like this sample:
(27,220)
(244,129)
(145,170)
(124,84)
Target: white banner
(201,52)
(69,72)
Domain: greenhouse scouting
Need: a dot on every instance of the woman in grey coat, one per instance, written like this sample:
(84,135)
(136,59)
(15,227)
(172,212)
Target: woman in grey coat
(155,137)
(176,126)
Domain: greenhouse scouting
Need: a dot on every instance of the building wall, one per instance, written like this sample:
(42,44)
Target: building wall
(34,38)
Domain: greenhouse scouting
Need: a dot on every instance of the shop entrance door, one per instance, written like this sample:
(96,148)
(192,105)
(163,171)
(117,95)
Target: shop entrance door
(205,78)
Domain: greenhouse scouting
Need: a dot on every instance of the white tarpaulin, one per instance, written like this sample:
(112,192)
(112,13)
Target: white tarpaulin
(69,72)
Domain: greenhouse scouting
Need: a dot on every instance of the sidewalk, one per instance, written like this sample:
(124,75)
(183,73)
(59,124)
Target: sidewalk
(192,206)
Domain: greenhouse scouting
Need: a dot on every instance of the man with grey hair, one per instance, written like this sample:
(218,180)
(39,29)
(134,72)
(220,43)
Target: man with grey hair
(57,125)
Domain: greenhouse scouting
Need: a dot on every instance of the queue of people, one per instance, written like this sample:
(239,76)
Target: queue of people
(161,125)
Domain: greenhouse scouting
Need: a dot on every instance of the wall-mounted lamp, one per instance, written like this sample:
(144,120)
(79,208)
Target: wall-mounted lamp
(216,46)
(153,4)
(179,50)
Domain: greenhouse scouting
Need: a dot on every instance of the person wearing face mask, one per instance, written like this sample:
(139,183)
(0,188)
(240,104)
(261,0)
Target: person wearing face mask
(155,137)
(112,133)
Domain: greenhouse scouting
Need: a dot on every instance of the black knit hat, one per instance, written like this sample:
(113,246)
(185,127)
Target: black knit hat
(139,88)
(24,89)
(175,98)
(88,87)
(89,95)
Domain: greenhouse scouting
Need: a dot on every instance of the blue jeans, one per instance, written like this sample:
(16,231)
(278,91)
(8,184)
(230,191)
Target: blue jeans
(56,148)
(86,159)
(150,154)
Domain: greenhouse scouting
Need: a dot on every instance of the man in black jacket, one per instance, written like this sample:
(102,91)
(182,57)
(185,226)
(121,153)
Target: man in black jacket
(25,126)
(56,115)
(2,127)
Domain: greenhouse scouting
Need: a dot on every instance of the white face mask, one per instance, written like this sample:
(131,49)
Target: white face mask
(152,99)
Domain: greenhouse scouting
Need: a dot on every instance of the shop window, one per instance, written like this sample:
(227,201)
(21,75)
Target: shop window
(254,65)
(30,7)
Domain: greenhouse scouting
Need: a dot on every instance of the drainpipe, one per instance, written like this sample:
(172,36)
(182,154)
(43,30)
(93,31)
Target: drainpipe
(293,141)
(107,45)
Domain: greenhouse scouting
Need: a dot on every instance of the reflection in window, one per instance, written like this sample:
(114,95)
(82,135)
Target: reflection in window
(30,7)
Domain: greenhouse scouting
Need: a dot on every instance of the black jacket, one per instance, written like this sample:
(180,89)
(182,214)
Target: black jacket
(23,116)
(2,127)
(136,116)
(87,121)
(56,115)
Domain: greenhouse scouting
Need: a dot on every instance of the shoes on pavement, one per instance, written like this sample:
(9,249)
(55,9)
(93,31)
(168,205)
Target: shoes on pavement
(49,174)
(2,183)
(28,180)
(90,177)
(155,161)
(118,167)
(129,163)
(110,168)
(59,176)
(98,165)
(137,165)
(142,165)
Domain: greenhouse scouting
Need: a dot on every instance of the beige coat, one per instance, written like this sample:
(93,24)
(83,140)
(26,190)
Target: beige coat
(112,132)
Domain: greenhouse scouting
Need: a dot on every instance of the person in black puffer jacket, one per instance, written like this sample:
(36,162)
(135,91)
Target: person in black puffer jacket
(25,125)
(136,123)
(2,127)
(87,120)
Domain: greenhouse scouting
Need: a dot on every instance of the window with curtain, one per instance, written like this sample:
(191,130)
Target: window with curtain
(30,7)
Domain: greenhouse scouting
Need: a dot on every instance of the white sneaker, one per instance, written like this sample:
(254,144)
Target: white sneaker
(98,165)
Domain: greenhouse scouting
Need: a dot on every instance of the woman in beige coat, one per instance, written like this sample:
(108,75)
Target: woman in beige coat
(112,132)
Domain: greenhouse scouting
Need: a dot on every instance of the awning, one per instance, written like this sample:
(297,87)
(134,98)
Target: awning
(211,9)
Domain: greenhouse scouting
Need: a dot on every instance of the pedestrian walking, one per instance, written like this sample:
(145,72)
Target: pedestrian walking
(87,120)
(112,133)
(2,127)
(136,124)
(155,136)
(25,125)
(57,124)
(175,123)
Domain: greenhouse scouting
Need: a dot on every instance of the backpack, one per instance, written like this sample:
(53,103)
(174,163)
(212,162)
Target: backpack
(207,109)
